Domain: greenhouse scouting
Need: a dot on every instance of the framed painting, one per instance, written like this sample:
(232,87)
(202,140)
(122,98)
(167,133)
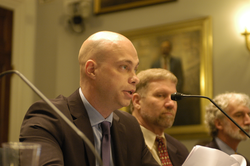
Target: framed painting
(105,6)
(192,44)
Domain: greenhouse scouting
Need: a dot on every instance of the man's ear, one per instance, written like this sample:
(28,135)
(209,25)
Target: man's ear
(136,101)
(218,124)
(90,67)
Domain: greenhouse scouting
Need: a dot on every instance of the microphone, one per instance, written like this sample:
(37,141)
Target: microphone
(39,93)
(178,96)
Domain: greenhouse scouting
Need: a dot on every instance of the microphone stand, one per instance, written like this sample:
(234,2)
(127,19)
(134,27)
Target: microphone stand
(39,93)
(179,96)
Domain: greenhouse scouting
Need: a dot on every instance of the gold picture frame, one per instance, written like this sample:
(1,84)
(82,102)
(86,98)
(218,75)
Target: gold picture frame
(105,6)
(192,43)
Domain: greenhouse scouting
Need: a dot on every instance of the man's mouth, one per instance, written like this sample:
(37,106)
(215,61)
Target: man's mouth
(131,92)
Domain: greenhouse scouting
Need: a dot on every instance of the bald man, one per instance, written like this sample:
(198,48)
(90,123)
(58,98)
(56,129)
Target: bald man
(108,62)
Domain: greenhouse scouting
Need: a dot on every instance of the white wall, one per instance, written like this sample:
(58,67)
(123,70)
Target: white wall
(56,49)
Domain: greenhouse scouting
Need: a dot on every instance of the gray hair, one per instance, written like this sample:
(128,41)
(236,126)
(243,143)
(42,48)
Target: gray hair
(223,100)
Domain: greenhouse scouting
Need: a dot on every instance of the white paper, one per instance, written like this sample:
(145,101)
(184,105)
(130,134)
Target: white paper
(205,156)
(240,159)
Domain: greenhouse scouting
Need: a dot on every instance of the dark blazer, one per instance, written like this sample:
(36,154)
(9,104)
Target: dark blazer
(214,145)
(62,146)
(176,150)
(175,68)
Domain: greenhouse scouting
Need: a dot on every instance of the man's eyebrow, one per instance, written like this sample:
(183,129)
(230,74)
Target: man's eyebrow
(239,112)
(130,62)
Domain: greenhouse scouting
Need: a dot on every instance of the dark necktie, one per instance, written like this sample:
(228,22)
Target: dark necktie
(165,63)
(162,152)
(105,143)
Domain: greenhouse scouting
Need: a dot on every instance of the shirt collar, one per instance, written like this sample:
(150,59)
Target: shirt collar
(150,137)
(94,116)
(224,147)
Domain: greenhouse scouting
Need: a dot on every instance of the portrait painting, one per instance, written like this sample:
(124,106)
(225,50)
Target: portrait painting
(191,62)
(105,6)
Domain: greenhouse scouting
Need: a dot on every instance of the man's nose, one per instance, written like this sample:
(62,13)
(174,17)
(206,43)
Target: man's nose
(169,102)
(247,119)
(134,80)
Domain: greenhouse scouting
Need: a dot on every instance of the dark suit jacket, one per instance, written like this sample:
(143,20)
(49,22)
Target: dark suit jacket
(214,145)
(62,146)
(176,150)
(1,156)
(175,68)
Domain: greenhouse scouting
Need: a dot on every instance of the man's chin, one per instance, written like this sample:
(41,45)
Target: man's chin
(124,104)
(244,137)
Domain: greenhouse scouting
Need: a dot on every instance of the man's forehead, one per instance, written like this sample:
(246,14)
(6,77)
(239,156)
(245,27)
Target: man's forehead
(235,108)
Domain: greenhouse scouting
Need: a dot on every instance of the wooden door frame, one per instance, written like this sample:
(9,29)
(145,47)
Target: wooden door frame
(5,56)
(23,48)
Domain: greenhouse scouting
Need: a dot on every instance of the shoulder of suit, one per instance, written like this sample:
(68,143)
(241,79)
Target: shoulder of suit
(124,117)
(172,140)
(122,113)
(56,101)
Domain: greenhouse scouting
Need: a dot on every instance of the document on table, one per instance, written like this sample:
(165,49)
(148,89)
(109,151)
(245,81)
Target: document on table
(205,156)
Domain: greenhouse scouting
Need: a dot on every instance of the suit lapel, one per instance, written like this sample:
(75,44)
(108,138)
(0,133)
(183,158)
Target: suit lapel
(81,120)
(119,142)
(172,151)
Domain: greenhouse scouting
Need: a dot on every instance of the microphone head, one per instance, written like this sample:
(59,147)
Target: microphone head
(176,96)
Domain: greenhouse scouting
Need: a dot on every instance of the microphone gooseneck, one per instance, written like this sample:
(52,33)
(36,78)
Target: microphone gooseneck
(39,93)
(178,96)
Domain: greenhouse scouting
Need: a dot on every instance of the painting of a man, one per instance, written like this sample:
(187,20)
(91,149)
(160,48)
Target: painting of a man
(171,63)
